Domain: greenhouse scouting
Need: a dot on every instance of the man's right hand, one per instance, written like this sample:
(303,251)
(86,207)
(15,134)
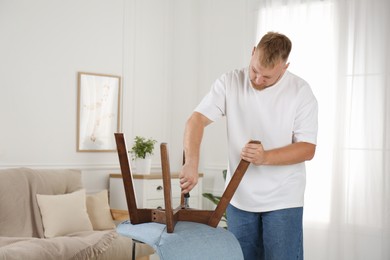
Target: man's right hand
(188,178)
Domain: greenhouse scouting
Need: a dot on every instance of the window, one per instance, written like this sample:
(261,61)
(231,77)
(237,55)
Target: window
(310,27)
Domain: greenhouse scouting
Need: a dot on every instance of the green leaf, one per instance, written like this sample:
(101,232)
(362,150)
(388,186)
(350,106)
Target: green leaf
(142,147)
(212,197)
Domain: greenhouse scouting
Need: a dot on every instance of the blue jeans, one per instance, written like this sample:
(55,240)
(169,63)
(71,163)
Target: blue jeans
(273,235)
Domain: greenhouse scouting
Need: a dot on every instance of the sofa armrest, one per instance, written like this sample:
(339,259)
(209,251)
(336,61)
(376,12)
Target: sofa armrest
(119,214)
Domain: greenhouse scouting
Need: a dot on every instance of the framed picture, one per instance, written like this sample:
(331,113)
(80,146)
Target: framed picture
(98,112)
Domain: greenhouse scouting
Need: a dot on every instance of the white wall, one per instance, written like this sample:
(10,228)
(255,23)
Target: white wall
(168,53)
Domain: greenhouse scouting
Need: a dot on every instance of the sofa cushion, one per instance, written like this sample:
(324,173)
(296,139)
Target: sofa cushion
(83,245)
(19,212)
(64,214)
(99,211)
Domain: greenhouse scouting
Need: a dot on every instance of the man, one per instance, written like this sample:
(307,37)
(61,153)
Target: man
(268,103)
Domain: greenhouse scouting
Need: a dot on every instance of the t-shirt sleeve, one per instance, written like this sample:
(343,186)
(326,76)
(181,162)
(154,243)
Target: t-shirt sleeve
(306,121)
(213,105)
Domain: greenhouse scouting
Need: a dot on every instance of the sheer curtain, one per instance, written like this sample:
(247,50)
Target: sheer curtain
(360,216)
(341,48)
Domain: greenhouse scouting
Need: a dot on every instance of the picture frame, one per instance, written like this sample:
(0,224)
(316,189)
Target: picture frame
(98,111)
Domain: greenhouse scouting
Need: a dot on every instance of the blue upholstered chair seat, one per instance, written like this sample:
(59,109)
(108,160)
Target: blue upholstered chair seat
(188,241)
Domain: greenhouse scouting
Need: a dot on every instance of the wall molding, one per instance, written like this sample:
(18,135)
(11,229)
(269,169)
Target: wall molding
(83,167)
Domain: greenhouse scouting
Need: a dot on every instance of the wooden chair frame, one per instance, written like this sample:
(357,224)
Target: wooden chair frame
(170,216)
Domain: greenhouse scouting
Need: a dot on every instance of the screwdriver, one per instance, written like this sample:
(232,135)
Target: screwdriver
(186,195)
(186,200)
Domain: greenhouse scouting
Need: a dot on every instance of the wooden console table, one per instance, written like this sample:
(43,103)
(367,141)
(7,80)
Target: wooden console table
(150,192)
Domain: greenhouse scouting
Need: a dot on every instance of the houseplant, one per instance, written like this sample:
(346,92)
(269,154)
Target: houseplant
(142,150)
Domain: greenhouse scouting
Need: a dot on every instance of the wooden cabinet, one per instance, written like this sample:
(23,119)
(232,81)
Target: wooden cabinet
(149,191)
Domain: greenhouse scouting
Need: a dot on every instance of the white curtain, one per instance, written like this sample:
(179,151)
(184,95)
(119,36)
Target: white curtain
(341,48)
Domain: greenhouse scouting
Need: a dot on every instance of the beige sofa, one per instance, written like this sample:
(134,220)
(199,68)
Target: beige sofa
(46,214)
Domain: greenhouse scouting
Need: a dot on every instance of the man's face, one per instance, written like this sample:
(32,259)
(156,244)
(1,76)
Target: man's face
(262,77)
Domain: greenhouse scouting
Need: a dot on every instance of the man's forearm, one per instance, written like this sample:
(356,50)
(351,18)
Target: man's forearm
(192,139)
(291,154)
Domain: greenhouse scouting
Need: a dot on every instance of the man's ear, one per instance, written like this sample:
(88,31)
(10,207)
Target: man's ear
(253,51)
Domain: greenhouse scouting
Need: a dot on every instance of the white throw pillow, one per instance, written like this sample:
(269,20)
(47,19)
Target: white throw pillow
(99,211)
(64,214)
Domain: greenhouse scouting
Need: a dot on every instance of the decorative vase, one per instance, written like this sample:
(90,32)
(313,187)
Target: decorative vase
(143,166)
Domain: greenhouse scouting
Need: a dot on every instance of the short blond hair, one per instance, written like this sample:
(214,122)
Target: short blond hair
(274,47)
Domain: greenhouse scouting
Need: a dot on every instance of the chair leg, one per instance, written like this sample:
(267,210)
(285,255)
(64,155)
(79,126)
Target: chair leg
(169,215)
(133,251)
(229,191)
(127,178)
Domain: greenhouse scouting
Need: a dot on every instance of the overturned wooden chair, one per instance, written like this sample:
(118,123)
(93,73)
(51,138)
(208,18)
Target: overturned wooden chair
(199,227)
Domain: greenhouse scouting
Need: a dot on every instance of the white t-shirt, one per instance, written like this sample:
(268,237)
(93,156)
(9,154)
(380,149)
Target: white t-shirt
(277,116)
